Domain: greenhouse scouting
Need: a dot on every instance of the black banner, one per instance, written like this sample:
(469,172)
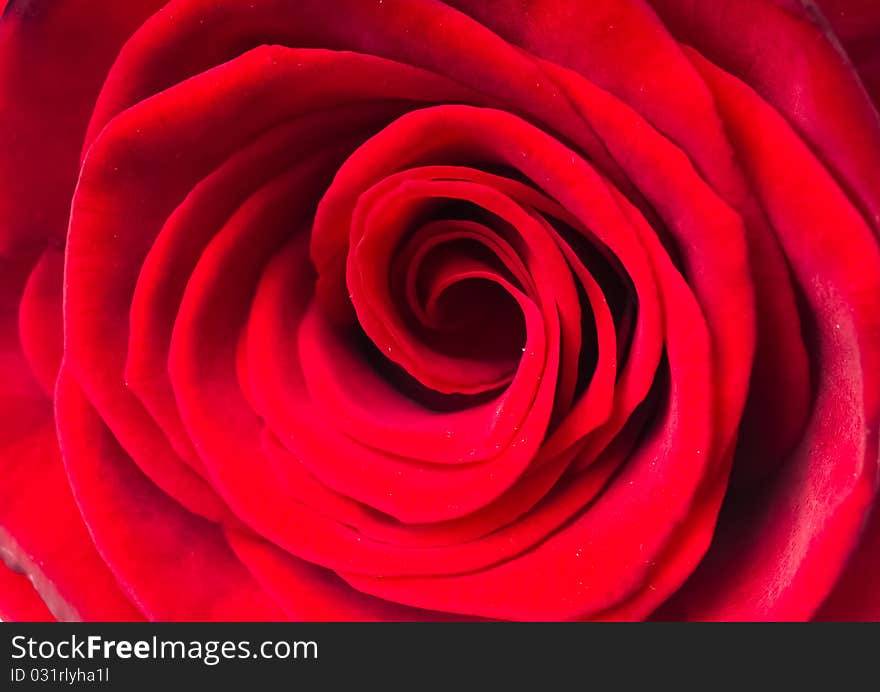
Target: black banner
(418,656)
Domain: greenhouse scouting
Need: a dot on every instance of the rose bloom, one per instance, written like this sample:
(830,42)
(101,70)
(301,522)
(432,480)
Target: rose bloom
(422,310)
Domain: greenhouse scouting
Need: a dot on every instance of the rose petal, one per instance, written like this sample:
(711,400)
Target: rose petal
(54,55)
(781,52)
(857,24)
(41,530)
(779,551)
(856,596)
(19,601)
(173,564)
(309,593)
(39,319)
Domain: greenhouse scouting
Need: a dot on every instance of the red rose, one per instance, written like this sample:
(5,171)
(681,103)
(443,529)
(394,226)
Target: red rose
(403,309)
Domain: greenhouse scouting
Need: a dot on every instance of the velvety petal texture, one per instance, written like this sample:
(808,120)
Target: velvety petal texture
(422,310)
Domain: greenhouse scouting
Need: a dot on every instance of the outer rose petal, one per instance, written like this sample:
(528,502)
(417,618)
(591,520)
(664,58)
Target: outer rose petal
(19,601)
(857,24)
(779,552)
(174,564)
(857,593)
(41,530)
(54,55)
(779,49)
